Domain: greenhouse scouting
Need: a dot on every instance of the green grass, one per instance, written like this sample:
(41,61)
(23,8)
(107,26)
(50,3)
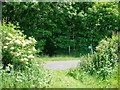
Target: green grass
(41,78)
(54,58)
(60,79)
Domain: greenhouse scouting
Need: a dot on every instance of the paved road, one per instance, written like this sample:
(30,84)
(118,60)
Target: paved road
(61,64)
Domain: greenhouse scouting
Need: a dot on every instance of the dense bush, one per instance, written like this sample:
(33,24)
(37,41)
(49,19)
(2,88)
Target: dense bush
(16,49)
(104,60)
(106,56)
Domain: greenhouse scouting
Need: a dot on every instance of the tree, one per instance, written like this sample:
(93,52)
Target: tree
(59,27)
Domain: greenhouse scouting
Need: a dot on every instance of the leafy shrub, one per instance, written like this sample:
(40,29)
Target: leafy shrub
(104,59)
(16,49)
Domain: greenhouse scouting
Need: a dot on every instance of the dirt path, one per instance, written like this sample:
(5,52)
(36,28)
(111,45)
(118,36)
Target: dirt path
(61,64)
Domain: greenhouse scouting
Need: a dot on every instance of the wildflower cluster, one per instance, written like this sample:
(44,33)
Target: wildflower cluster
(16,49)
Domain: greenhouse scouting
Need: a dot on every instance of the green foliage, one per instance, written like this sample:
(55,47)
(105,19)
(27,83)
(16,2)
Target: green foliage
(106,56)
(56,26)
(102,69)
(0,42)
(16,49)
(100,20)
(33,77)
(103,62)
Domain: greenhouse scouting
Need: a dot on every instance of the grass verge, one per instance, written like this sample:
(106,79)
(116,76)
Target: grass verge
(57,58)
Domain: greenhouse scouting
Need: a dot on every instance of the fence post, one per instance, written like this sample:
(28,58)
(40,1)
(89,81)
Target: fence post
(69,50)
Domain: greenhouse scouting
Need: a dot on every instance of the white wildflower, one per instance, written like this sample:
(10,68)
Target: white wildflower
(18,54)
(34,49)
(31,56)
(5,47)
(10,34)
(18,41)
(24,43)
(26,62)
(29,38)
(25,55)
(29,42)
(34,40)
(7,43)
(7,68)
(25,59)
(12,48)
(11,42)
(29,52)
(8,38)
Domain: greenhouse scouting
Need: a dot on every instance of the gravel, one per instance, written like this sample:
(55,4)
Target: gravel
(61,64)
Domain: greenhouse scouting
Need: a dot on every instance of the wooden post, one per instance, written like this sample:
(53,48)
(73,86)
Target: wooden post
(69,50)
(92,50)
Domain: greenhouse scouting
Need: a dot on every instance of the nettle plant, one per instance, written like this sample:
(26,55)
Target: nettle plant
(106,57)
(104,60)
(16,49)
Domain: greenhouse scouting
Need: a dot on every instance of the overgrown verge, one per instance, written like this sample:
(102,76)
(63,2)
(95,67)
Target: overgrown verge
(103,65)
